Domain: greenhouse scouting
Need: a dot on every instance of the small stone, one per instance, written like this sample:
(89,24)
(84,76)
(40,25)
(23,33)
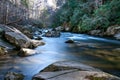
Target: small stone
(13,76)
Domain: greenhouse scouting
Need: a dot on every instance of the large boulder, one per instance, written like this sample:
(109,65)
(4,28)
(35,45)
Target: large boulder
(26,52)
(70,70)
(18,39)
(13,76)
(15,37)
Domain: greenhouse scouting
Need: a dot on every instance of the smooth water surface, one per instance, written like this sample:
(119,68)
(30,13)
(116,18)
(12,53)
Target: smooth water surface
(97,52)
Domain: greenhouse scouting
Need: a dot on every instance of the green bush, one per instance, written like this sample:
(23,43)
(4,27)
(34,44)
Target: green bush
(82,15)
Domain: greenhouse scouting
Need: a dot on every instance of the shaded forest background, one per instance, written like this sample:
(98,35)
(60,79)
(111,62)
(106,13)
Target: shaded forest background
(77,15)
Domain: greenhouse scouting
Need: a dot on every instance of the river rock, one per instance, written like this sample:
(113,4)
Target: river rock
(69,41)
(117,36)
(15,37)
(112,30)
(26,52)
(18,39)
(70,70)
(13,76)
(3,51)
(52,33)
(36,43)
(96,32)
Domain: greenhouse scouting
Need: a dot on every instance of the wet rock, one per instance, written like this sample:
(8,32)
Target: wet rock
(13,76)
(3,51)
(69,41)
(37,37)
(26,52)
(70,70)
(52,33)
(117,36)
(36,43)
(18,39)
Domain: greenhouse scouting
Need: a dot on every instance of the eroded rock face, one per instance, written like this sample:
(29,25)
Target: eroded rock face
(13,76)
(26,52)
(70,70)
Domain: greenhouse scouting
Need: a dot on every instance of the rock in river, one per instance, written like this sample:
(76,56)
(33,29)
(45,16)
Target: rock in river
(26,52)
(13,76)
(69,41)
(3,51)
(18,39)
(70,70)
(36,43)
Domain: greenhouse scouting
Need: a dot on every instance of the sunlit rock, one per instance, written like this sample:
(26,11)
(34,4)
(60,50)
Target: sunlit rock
(26,52)
(36,43)
(13,76)
(70,70)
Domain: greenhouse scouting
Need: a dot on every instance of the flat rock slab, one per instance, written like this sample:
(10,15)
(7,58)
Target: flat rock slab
(74,75)
(70,70)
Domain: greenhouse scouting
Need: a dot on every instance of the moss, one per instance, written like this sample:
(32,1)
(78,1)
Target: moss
(96,78)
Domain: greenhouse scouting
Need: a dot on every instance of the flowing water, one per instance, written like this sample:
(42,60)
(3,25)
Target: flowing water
(97,52)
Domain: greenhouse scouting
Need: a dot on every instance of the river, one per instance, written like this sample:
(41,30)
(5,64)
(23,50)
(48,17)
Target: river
(94,51)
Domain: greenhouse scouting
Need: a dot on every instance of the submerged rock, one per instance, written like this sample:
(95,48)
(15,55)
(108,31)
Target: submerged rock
(96,32)
(69,41)
(13,76)
(70,70)
(26,52)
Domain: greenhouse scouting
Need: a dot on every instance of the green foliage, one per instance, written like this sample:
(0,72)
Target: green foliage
(83,15)
(25,3)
